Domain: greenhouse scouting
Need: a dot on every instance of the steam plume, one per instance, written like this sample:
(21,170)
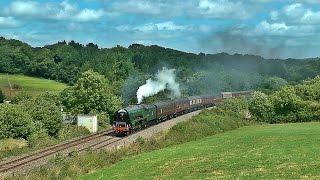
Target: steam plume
(164,79)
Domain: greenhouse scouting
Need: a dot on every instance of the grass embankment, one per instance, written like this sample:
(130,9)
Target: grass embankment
(205,124)
(282,151)
(30,85)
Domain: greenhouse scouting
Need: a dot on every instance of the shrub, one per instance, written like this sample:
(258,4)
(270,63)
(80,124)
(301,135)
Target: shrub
(15,122)
(44,109)
(237,105)
(40,139)
(285,101)
(309,90)
(261,107)
(308,111)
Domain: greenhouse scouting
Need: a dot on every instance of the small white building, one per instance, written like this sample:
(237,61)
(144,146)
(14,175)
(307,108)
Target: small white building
(88,121)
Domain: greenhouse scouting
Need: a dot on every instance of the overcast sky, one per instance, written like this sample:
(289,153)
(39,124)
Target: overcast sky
(271,28)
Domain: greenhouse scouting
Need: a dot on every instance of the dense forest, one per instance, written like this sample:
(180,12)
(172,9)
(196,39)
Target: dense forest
(128,68)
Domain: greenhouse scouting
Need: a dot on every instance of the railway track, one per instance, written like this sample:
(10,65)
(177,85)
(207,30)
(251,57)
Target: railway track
(41,154)
(76,145)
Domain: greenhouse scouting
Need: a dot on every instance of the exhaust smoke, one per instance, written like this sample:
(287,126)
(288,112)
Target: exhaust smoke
(164,79)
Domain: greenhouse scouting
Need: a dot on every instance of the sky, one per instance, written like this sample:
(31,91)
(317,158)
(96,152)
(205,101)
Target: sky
(270,28)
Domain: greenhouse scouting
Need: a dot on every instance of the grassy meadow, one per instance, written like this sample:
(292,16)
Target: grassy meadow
(281,151)
(30,85)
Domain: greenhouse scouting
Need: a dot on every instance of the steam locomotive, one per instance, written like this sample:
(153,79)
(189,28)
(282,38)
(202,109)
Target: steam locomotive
(136,117)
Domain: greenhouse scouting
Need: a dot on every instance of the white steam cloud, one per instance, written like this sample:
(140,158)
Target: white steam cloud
(164,79)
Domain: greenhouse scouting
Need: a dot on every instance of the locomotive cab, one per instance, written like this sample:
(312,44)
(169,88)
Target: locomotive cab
(121,123)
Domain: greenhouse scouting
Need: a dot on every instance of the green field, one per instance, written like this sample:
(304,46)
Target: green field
(30,85)
(282,151)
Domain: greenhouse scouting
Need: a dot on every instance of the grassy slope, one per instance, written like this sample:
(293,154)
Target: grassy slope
(267,151)
(30,85)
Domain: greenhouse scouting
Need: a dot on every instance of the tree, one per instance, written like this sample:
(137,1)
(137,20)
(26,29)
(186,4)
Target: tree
(2,96)
(90,94)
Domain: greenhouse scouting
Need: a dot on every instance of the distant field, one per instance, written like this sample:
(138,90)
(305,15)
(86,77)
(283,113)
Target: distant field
(30,85)
(283,151)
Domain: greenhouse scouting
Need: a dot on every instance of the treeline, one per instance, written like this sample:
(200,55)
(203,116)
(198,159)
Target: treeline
(128,68)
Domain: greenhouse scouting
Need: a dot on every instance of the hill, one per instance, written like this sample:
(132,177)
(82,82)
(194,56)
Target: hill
(30,85)
(127,68)
(282,151)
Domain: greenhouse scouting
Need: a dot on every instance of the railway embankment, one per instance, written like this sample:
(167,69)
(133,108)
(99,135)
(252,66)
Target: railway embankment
(102,140)
(183,129)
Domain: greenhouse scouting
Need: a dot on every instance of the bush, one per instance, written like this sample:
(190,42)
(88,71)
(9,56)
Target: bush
(15,122)
(41,139)
(285,101)
(236,105)
(44,109)
(261,107)
(308,111)
(309,90)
